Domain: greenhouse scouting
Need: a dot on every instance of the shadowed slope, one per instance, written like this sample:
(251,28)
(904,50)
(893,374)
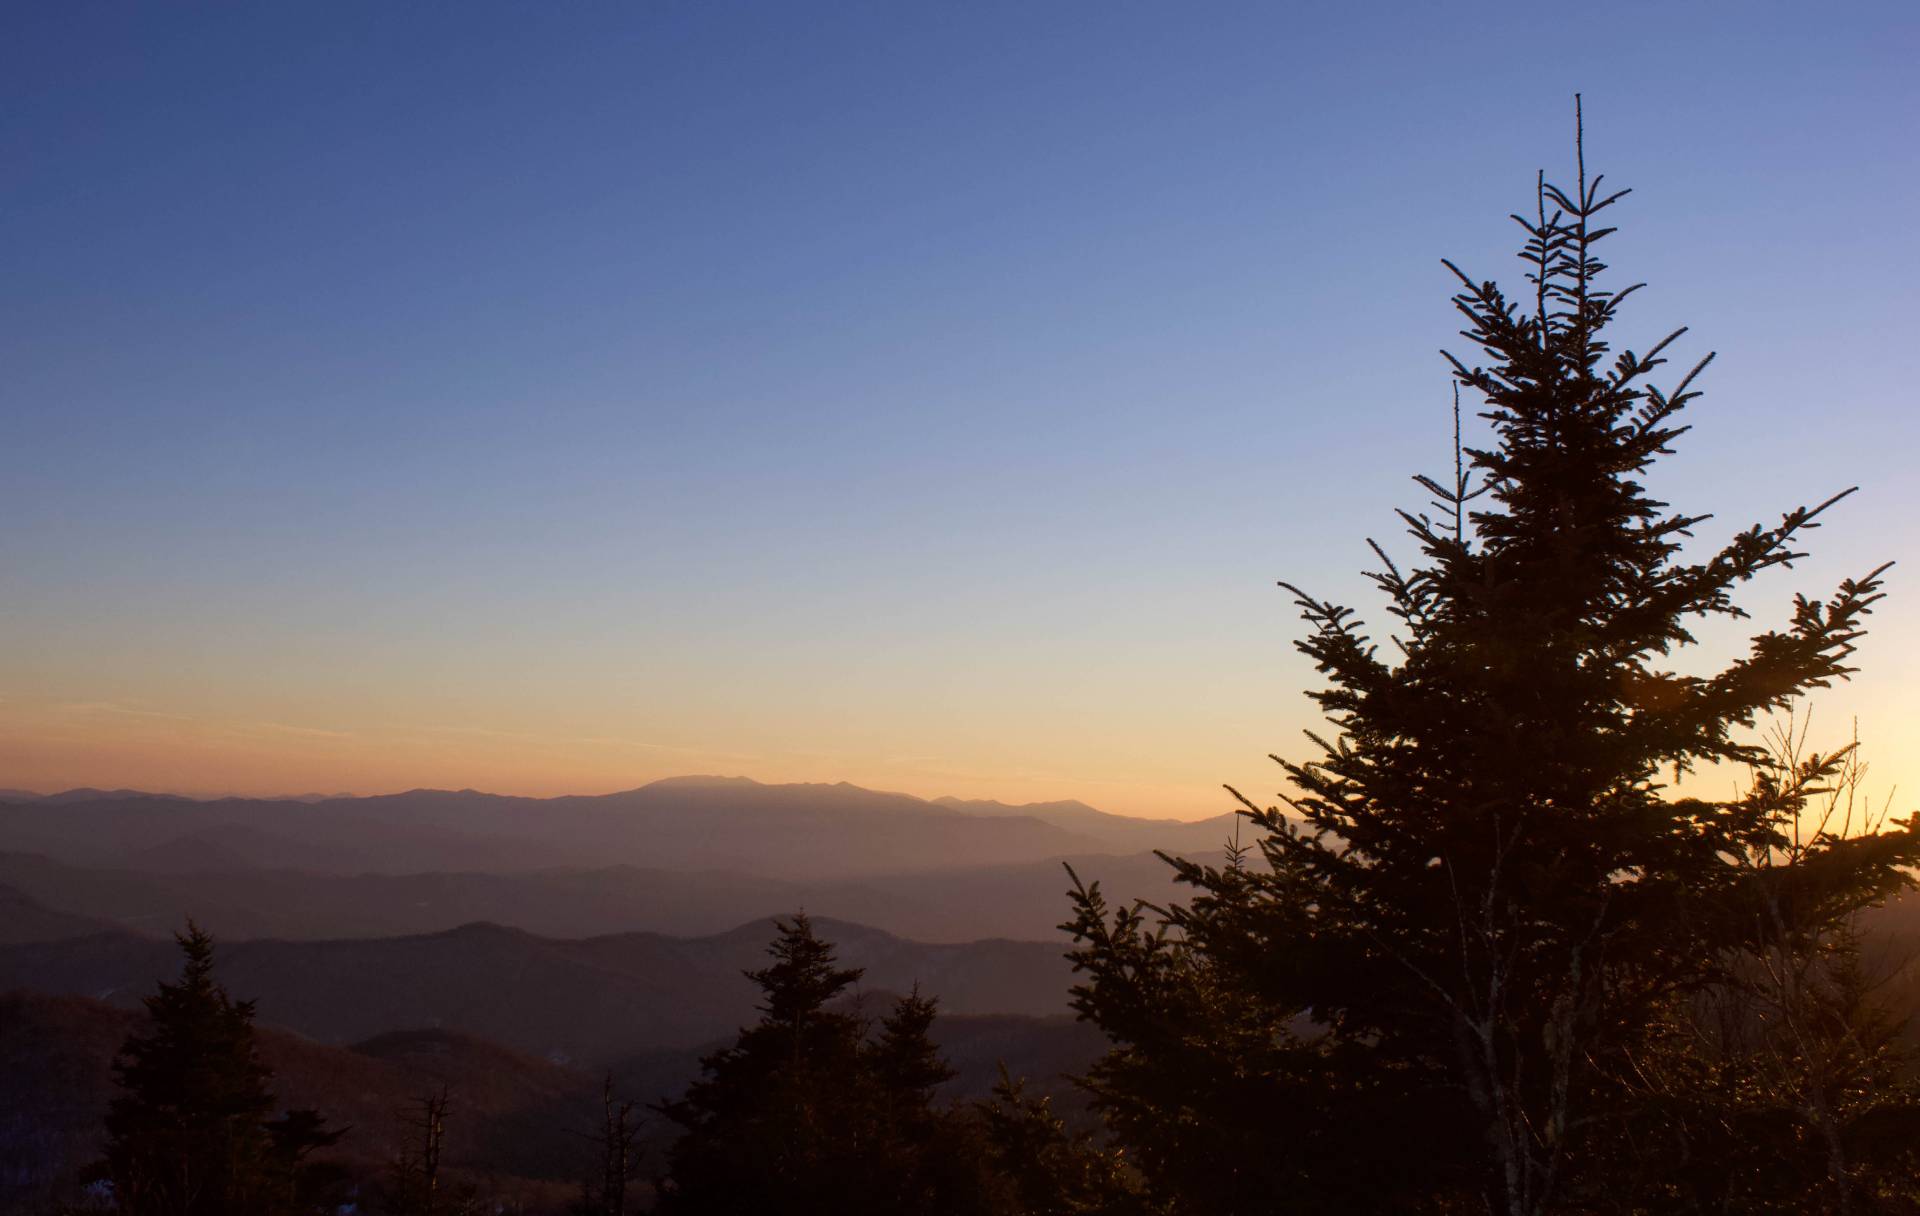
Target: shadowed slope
(590,1000)
(1022,900)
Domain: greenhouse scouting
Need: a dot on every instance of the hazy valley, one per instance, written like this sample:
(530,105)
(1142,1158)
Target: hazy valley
(519,949)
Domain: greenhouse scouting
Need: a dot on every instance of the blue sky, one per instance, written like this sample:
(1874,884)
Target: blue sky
(552,397)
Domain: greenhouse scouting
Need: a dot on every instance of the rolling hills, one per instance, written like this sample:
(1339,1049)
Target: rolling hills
(1025,900)
(591,1000)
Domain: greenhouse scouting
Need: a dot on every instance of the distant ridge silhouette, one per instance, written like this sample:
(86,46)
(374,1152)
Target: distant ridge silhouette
(588,999)
(793,831)
(1016,900)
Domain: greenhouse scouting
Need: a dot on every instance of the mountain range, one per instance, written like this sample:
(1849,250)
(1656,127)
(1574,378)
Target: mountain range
(1024,900)
(519,949)
(687,856)
(788,832)
(592,1000)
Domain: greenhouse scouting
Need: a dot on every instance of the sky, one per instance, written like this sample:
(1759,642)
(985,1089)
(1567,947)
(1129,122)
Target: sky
(551,398)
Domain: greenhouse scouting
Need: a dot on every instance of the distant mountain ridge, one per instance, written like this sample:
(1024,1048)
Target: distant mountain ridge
(86,794)
(793,831)
(25,919)
(1069,808)
(593,1000)
(1021,900)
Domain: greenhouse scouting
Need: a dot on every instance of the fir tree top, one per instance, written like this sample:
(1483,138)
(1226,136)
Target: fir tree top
(802,979)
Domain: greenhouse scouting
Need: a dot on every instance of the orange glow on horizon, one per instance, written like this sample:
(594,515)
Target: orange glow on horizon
(50,746)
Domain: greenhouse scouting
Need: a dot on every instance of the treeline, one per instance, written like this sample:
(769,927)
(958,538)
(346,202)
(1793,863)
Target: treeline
(1493,955)
(814,1109)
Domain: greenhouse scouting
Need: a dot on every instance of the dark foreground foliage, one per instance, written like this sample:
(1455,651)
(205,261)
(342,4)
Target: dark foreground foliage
(1488,958)
(193,1132)
(812,1111)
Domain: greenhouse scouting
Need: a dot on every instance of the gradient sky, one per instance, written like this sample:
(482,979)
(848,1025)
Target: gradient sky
(549,398)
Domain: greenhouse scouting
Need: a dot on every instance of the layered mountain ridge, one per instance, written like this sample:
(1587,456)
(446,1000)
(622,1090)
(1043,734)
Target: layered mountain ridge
(793,832)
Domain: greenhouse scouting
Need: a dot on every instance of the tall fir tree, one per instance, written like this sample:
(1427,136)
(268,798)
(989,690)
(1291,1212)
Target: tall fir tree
(779,1121)
(905,1062)
(807,1112)
(189,1134)
(930,1159)
(1467,926)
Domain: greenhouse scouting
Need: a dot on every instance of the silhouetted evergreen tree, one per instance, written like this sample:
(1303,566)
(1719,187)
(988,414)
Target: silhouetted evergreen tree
(904,1060)
(189,1134)
(1040,1168)
(1484,905)
(806,1114)
(935,1160)
(778,1122)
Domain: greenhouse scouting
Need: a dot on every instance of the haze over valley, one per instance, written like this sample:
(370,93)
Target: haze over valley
(536,943)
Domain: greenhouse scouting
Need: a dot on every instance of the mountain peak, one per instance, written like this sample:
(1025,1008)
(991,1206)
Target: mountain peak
(996,807)
(483,930)
(89,794)
(700,781)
